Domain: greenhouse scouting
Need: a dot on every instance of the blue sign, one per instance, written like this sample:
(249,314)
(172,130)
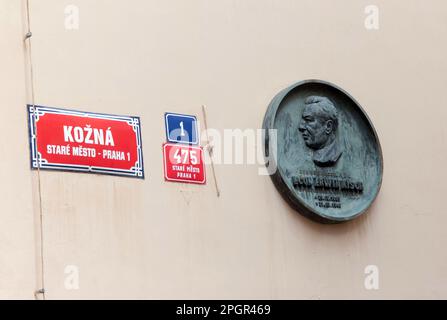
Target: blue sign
(181,128)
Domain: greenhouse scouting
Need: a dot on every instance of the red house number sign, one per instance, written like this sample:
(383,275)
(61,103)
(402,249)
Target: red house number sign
(184,163)
(83,141)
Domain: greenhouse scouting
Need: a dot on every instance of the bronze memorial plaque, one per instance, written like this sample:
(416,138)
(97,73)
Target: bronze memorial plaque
(327,154)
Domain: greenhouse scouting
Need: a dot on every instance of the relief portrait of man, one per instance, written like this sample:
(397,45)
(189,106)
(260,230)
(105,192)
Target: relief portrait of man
(318,127)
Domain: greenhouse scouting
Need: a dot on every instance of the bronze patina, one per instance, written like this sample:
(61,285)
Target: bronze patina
(328,156)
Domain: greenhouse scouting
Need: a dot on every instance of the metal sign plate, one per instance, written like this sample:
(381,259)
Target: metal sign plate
(79,141)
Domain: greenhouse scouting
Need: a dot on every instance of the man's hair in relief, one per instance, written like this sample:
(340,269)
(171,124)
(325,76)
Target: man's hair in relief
(327,108)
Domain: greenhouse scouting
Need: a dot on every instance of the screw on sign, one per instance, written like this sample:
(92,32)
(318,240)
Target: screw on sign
(183,163)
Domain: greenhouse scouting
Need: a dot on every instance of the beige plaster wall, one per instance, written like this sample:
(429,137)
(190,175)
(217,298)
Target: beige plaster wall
(18,261)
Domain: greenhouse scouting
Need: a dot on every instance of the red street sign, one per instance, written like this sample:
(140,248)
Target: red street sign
(84,141)
(184,163)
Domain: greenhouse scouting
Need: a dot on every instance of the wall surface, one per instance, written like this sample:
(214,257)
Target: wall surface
(133,238)
(17,228)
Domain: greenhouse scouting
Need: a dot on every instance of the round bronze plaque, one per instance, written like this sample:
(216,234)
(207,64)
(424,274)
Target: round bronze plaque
(325,151)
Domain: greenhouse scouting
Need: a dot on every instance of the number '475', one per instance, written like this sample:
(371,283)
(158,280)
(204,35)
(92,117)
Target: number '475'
(184,156)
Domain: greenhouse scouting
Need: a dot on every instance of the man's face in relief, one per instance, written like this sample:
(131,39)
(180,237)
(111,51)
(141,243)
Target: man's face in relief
(315,128)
